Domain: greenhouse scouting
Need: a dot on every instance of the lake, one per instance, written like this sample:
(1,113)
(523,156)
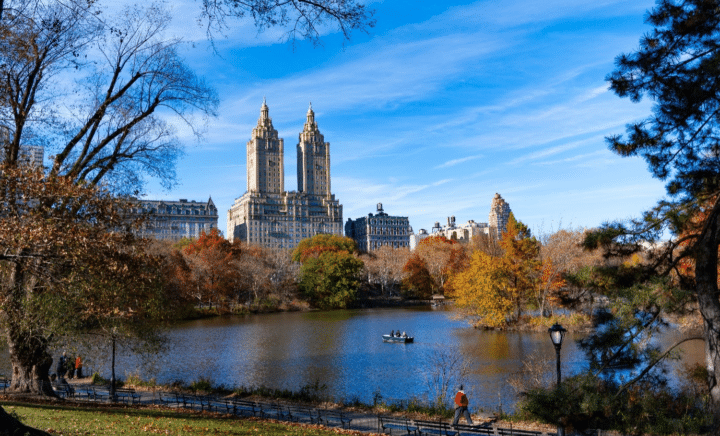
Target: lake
(344,350)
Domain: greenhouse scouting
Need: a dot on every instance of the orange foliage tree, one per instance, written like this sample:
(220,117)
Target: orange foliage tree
(418,283)
(441,256)
(215,277)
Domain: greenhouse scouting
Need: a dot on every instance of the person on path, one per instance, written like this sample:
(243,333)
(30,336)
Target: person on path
(461,407)
(61,366)
(78,367)
(70,364)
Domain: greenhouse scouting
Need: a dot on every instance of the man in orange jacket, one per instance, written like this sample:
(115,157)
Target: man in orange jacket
(461,407)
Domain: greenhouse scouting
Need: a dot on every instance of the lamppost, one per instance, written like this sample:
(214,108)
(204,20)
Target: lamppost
(557,333)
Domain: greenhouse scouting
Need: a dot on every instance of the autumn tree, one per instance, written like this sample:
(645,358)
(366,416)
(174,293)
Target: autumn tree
(417,283)
(95,276)
(676,67)
(211,261)
(564,263)
(442,256)
(384,267)
(497,289)
(329,270)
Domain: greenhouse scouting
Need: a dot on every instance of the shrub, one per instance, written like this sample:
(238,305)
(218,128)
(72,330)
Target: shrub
(586,402)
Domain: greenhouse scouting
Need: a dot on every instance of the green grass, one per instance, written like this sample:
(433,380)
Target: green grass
(70,421)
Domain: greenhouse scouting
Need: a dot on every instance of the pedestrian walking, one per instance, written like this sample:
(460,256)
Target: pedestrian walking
(78,367)
(461,407)
(61,367)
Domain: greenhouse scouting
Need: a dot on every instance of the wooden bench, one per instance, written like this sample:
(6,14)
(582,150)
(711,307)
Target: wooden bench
(167,398)
(302,414)
(402,425)
(271,411)
(437,428)
(328,417)
(517,432)
(64,390)
(127,395)
(471,430)
(241,407)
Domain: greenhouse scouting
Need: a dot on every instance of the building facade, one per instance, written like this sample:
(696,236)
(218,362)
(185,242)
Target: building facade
(497,223)
(269,216)
(416,238)
(499,215)
(463,232)
(174,220)
(375,231)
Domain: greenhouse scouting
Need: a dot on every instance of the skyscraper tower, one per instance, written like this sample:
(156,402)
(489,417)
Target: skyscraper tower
(265,167)
(313,155)
(499,215)
(269,216)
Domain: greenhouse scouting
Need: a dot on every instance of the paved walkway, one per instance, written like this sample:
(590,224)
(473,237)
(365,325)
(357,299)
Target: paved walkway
(362,422)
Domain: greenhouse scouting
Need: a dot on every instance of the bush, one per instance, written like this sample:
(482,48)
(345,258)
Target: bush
(202,384)
(587,402)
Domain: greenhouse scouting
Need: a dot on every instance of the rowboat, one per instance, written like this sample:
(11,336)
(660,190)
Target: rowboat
(406,339)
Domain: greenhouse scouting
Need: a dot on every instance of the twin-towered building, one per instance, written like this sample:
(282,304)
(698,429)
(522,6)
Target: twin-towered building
(268,215)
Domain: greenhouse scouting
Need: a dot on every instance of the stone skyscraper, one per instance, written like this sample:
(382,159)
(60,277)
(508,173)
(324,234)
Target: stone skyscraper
(499,214)
(268,215)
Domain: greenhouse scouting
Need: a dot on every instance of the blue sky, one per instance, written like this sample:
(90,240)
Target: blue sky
(436,109)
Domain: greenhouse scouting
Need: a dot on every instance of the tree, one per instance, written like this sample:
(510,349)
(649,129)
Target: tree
(676,66)
(442,256)
(496,289)
(302,18)
(65,225)
(211,261)
(384,267)
(95,276)
(566,269)
(328,275)
(417,283)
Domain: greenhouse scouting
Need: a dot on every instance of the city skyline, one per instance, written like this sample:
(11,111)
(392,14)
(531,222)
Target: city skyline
(435,110)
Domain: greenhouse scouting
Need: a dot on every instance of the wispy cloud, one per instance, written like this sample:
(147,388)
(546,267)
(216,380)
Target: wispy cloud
(452,163)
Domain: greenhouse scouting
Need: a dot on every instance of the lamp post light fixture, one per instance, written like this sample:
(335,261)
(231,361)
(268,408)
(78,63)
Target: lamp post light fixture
(557,334)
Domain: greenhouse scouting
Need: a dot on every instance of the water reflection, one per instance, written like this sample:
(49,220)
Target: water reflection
(344,350)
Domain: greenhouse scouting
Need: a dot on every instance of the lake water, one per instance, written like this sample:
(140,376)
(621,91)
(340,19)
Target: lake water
(344,350)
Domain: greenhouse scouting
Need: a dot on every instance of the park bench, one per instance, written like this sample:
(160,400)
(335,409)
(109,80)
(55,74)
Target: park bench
(64,390)
(390,423)
(272,411)
(168,398)
(126,395)
(302,414)
(332,418)
(203,401)
(517,432)
(472,430)
(242,407)
(436,428)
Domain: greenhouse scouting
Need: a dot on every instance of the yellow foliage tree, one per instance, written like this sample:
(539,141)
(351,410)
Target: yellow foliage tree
(481,290)
(496,289)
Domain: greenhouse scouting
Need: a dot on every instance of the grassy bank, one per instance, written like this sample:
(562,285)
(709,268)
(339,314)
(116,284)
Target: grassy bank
(74,420)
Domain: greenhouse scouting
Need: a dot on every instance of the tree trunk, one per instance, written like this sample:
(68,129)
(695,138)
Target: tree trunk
(31,364)
(10,426)
(27,343)
(706,264)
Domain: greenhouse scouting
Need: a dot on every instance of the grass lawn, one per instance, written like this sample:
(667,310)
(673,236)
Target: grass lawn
(65,420)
